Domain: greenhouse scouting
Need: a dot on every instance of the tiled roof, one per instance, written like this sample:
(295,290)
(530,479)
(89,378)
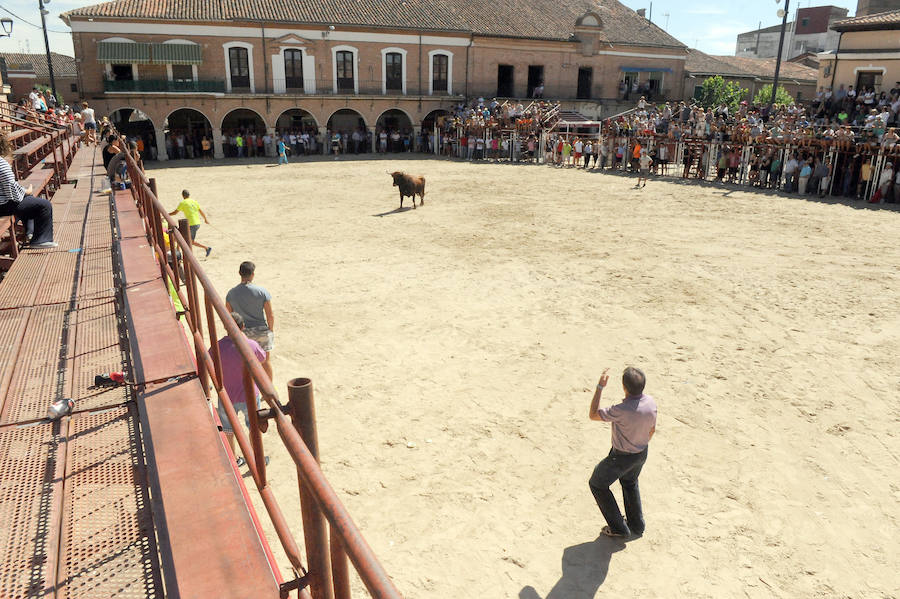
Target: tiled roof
(738,66)
(703,64)
(881,20)
(535,19)
(63,66)
(764,68)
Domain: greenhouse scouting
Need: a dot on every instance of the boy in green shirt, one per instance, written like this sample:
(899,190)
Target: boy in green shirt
(193,213)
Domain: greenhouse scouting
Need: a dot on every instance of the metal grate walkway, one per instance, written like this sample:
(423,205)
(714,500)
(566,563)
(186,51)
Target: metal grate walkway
(74,506)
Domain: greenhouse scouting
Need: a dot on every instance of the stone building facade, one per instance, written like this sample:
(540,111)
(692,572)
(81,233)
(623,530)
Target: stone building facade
(367,64)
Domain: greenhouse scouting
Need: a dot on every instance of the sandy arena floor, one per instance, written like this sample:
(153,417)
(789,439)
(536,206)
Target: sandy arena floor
(454,350)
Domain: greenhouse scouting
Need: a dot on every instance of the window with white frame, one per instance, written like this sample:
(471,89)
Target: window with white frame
(343,60)
(239,66)
(293,69)
(393,71)
(440,72)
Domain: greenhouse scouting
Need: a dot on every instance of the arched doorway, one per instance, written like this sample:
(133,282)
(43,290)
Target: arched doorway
(185,129)
(433,119)
(347,131)
(298,129)
(242,133)
(395,132)
(297,119)
(137,126)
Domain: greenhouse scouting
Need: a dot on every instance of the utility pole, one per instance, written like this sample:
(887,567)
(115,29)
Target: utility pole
(44,13)
(780,46)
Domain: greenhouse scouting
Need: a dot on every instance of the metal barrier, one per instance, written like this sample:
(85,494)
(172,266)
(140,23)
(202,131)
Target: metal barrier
(327,575)
(854,168)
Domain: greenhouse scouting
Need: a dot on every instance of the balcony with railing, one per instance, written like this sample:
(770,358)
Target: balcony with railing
(163,86)
(288,86)
(351,87)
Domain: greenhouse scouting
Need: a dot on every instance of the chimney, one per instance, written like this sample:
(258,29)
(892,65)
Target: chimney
(642,12)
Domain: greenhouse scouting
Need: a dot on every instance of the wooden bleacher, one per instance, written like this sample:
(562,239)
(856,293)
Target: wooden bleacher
(43,152)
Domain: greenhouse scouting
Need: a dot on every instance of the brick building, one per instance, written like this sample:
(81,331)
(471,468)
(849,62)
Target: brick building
(265,65)
(868,55)
(25,71)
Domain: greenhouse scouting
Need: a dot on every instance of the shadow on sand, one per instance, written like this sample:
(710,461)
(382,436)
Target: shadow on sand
(584,569)
(394,211)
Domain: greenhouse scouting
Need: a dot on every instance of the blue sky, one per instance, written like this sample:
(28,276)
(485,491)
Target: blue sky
(711,26)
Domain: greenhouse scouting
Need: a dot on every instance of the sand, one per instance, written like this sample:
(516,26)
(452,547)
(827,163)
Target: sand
(454,350)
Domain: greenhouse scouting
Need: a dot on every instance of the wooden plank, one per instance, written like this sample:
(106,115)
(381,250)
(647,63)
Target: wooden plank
(157,340)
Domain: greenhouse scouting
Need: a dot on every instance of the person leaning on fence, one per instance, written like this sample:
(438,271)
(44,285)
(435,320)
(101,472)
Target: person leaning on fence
(17,201)
(233,381)
(633,425)
(254,304)
(117,171)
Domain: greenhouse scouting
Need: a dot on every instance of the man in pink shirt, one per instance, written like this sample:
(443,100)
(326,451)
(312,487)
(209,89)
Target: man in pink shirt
(633,424)
(233,381)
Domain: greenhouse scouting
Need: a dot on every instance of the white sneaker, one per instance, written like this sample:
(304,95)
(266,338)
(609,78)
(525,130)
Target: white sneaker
(44,245)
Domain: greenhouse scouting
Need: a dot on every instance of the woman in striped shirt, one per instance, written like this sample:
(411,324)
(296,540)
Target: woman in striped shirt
(18,201)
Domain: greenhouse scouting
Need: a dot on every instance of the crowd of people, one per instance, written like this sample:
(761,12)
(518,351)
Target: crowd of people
(837,144)
(492,130)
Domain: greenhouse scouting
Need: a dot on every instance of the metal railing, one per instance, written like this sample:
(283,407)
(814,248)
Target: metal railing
(164,85)
(698,158)
(327,575)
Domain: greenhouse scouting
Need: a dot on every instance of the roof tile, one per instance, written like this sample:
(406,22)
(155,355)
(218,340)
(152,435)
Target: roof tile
(63,66)
(534,19)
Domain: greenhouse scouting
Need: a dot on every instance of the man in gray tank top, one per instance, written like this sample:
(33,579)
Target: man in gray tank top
(633,424)
(254,304)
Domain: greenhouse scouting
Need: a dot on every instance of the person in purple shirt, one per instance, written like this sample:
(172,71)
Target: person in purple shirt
(633,424)
(233,381)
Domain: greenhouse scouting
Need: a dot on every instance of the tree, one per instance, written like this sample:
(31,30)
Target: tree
(764,95)
(715,91)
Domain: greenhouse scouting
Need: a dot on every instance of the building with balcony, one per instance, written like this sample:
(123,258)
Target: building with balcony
(338,65)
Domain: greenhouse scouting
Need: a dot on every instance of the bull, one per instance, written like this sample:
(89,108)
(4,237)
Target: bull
(410,185)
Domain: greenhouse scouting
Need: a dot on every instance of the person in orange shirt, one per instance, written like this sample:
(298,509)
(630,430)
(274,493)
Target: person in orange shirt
(636,156)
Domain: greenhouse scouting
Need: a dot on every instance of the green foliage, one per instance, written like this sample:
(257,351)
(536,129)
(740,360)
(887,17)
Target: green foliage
(715,91)
(764,95)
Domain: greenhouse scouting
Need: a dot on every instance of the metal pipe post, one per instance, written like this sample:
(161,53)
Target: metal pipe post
(303,417)
(255,433)
(780,46)
(194,307)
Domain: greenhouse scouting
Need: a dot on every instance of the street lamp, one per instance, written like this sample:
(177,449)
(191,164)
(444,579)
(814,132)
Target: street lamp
(44,13)
(7,27)
(784,17)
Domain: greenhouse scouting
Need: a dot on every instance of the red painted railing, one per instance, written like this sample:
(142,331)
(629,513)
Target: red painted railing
(327,575)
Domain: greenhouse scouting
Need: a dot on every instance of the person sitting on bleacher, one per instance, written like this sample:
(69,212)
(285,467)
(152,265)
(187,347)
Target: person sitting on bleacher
(18,201)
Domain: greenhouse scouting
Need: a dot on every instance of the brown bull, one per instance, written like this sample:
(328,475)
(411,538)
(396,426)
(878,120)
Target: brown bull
(410,185)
